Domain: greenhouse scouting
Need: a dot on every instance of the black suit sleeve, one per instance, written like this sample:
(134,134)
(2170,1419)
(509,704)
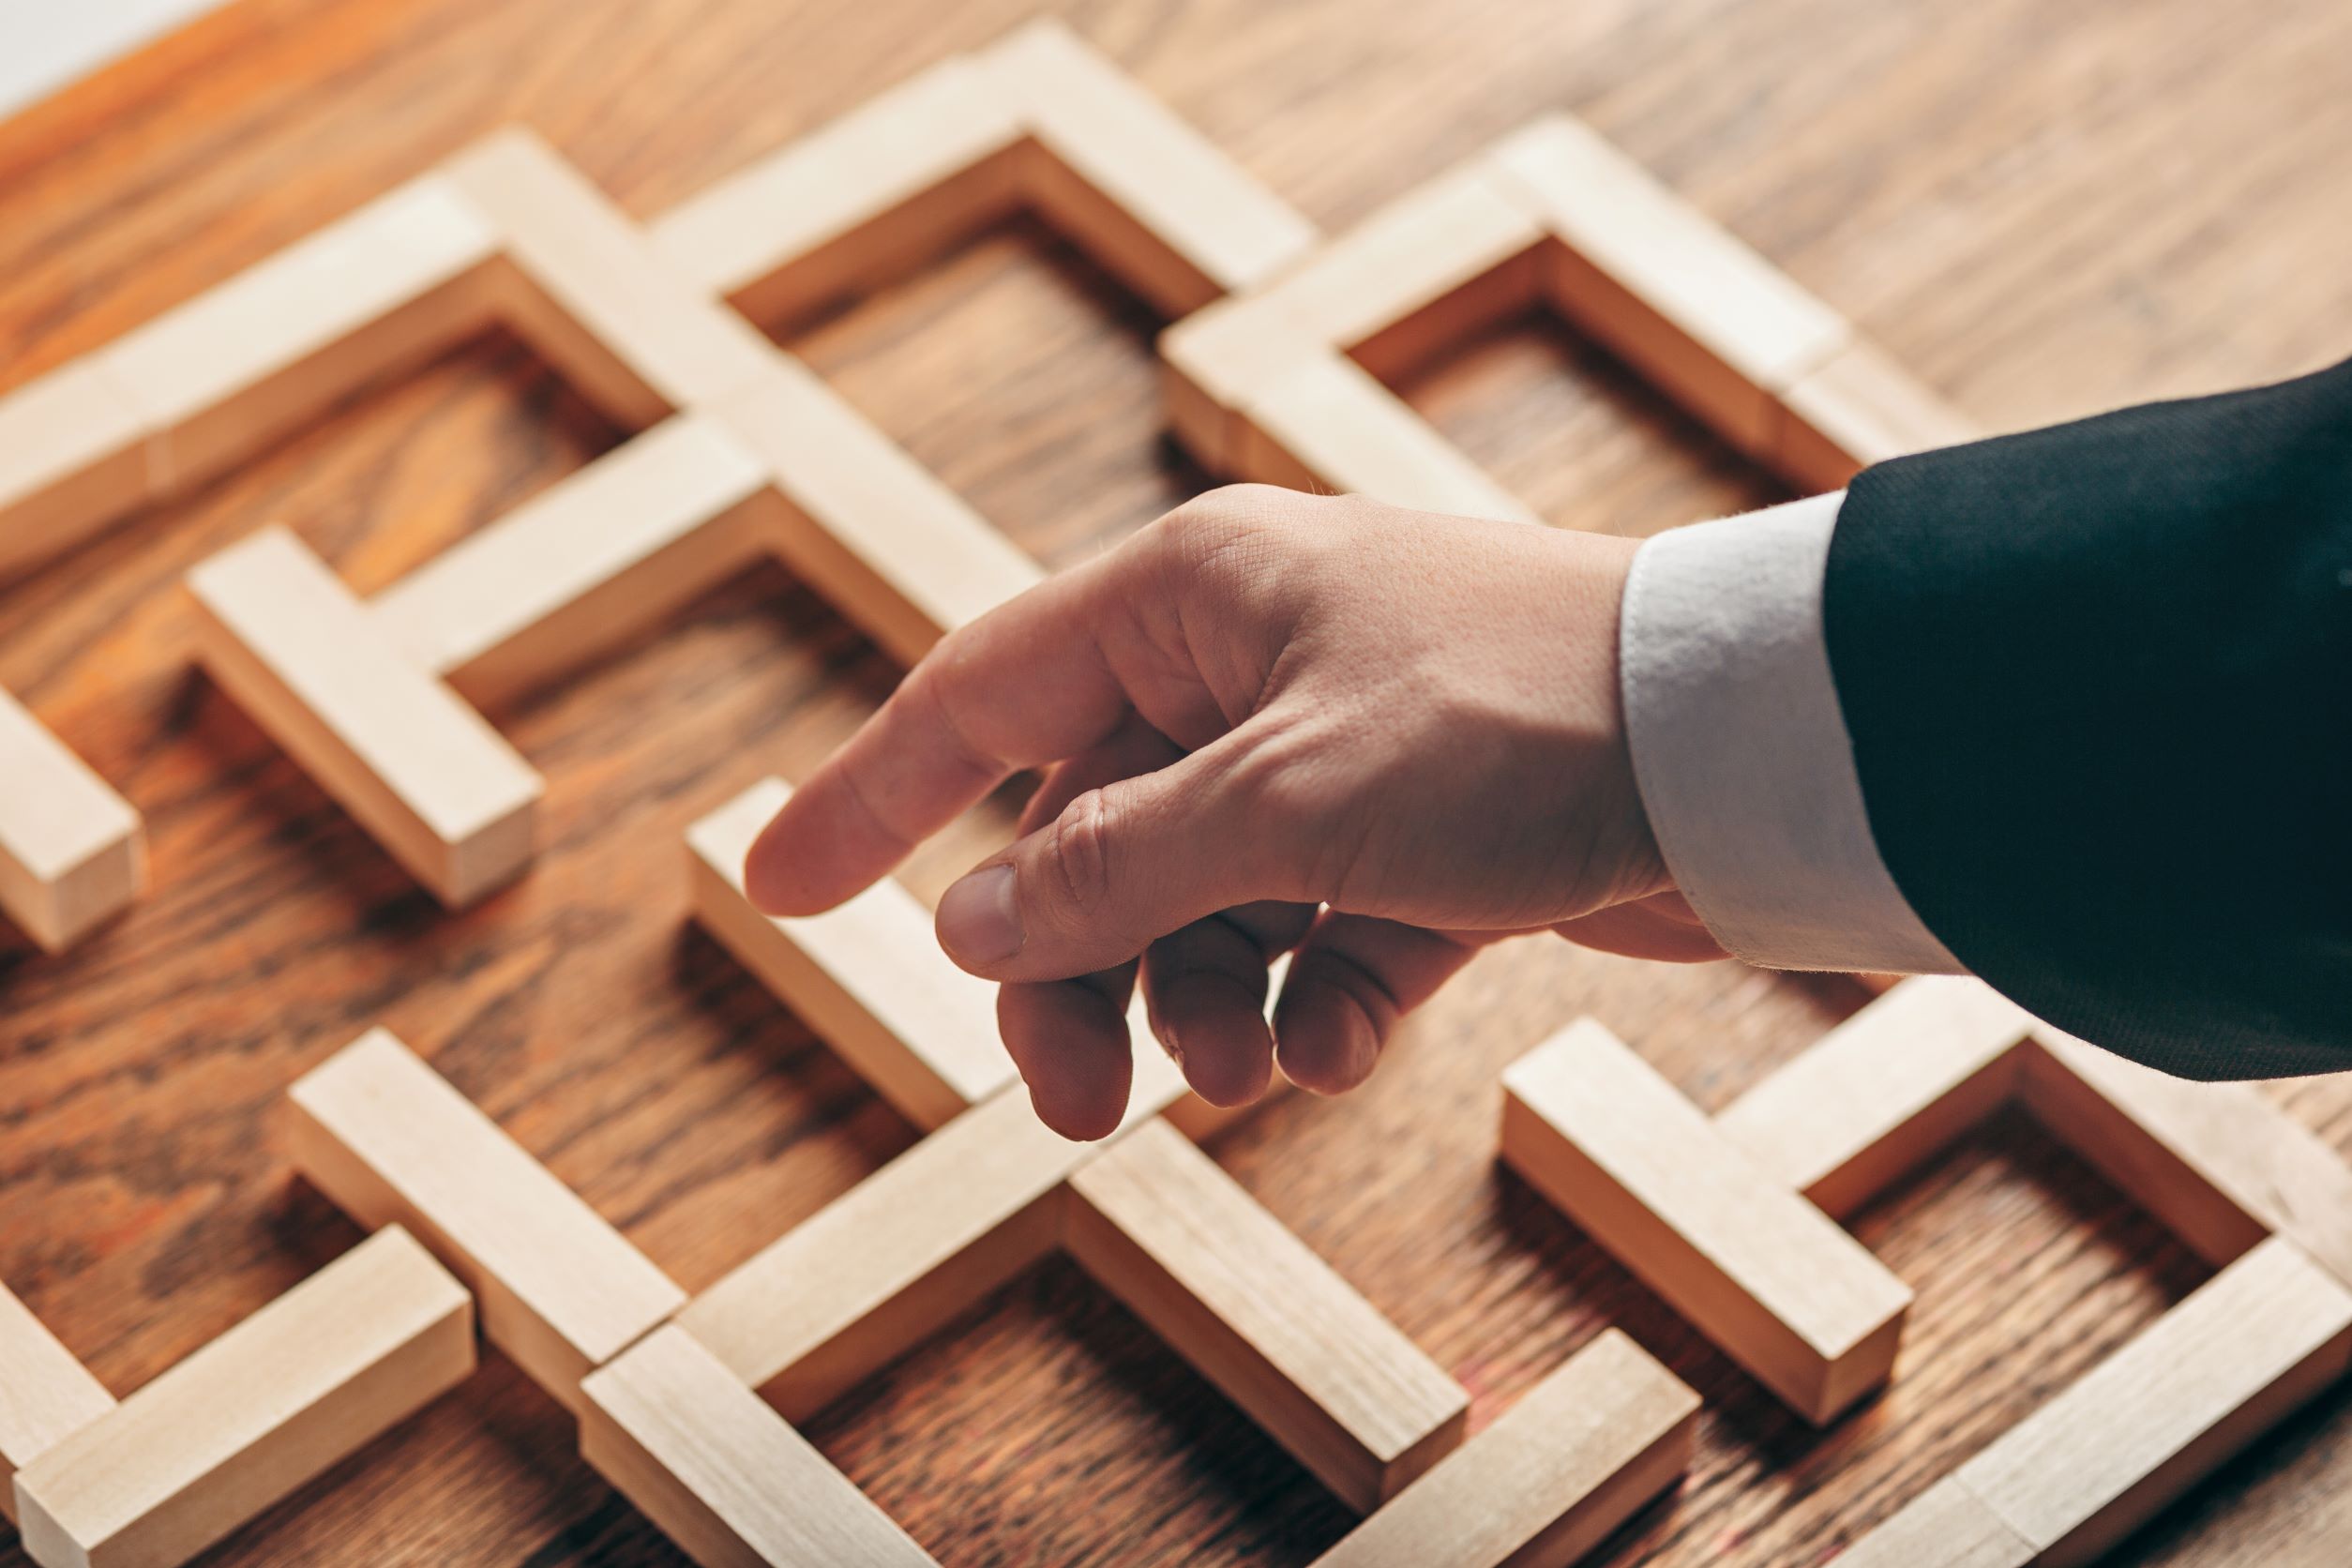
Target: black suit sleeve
(2098,683)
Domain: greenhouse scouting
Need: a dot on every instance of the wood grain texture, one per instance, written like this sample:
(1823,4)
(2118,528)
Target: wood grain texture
(721,1472)
(2250,1344)
(1770,1279)
(582,569)
(1884,1091)
(277,1400)
(71,853)
(1587,1447)
(440,788)
(384,1135)
(1261,1317)
(45,1395)
(869,976)
(2005,196)
(1948,1526)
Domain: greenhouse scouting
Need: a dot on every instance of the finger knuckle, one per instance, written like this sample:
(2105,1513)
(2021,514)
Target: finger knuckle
(1212,522)
(1080,855)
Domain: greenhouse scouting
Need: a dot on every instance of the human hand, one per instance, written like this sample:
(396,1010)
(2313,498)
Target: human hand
(1270,722)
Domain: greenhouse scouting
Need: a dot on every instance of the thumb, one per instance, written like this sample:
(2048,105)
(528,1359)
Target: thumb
(1122,866)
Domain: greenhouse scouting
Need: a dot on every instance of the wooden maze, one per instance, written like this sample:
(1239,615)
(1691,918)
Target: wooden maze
(1276,371)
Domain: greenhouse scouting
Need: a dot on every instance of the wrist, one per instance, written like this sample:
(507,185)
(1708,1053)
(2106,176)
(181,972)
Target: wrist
(1607,562)
(1739,750)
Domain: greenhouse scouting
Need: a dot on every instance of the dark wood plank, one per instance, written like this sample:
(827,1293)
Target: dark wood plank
(2043,212)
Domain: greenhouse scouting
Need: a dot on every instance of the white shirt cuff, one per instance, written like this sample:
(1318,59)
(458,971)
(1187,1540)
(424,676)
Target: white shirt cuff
(1740,751)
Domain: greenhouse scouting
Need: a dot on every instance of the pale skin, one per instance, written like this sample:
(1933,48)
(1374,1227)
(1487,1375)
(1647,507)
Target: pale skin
(1270,722)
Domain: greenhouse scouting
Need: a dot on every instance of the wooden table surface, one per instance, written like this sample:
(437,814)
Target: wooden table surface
(2043,210)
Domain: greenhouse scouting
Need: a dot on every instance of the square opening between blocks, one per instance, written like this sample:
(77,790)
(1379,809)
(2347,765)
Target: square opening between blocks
(1145,1456)
(1035,146)
(2082,1270)
(1583,438)
(1294,382)
(95,643)
(2090,1267)
(1741,1223)
(1021,372)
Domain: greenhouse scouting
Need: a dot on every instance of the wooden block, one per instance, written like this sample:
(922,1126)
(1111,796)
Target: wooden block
(276,1401)
(73,459)
(721,1473)
(869,976)
(437,787)
(1215,361)
(634,338)
(393,1143)
(885,1264)
(1578,1455)
(2219,1163)
(1162,1228)
(1419,274)
(1148,196)
(72,851)
(887,545)
(1945,1527)
(277,346)
(1663,285)
(1857,408)
(1327,425)
(2249,1346)
(1763,1274)
(585,566)
(46,1396)
(855,202)
(1881,1094)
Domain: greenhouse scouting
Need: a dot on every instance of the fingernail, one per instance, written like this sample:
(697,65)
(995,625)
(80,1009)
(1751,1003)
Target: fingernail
(979,921)
(1165,1032)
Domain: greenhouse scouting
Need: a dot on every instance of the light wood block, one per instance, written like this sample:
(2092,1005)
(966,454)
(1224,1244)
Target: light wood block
(1223,1283)
(46,1396)
(881,1267)
(71,851)
(1326,423)
(584,566)
(2219,1163)
(276,346)
(1210,364)
(276,1401)
(73,459)
(1578,1455)
(1857,408)
(1767,1277)
(2238,1355)
(855,202)
(599,304)
(721,1473)
(1418,276)
(869,976)
(1945,1527)
(885,1264)
(867,526)
(393,1143)
(1656,280)
(1148,196)
(436,785)
(1881,1094)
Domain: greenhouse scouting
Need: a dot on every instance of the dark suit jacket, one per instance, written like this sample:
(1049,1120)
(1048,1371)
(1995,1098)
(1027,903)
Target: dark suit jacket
(2098,682)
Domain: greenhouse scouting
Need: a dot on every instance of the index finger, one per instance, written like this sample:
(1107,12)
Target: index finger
(1026,683)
